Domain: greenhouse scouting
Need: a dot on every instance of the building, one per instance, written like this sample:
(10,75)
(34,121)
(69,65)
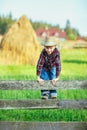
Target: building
(52,32)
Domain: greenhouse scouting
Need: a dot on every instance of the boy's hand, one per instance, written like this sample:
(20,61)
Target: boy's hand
(54,81)
(41,81)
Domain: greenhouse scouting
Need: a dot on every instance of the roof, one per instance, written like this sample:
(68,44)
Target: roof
(50,32)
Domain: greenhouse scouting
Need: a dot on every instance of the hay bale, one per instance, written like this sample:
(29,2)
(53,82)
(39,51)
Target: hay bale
(19,45)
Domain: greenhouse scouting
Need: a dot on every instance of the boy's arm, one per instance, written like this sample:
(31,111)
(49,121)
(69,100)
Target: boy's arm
(55,80)
(58,68)
(40,64)
(58,65)
(41,81)
(39,67)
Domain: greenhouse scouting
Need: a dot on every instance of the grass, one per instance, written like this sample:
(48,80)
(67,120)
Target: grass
(35,94)
(17,72)
(74,67)
(73,62)
(43,115)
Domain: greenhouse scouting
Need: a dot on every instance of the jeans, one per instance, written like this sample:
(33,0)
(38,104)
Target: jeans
(48,75)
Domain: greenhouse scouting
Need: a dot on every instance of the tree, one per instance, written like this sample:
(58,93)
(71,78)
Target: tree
(68,29)
(71,33)
(5,23)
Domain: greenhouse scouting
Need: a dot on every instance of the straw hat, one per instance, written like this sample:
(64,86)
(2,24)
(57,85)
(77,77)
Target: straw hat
(49,42)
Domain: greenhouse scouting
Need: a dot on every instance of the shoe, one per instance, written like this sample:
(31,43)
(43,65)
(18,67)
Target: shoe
(45,96)
(53,95)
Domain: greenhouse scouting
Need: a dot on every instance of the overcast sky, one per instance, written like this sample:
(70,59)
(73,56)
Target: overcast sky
(50,11)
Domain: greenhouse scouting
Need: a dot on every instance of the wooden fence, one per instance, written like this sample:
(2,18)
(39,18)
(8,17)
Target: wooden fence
(42,104)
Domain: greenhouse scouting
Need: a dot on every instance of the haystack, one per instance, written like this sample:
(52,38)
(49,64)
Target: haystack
(19,45)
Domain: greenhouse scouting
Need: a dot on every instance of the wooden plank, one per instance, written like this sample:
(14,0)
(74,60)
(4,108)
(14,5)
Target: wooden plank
(43,125)
(40,104)
(22,85)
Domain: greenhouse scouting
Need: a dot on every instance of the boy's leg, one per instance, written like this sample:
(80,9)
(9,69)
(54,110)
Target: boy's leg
(52,74)
(44,76)
(53,94)
(44,94)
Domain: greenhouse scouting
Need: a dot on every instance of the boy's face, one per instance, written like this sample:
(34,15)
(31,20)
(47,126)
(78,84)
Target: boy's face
(49,49)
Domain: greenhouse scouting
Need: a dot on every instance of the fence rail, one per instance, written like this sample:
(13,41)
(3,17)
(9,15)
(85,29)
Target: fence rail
(22,85)
(40,104)
(43,126)
(43,104)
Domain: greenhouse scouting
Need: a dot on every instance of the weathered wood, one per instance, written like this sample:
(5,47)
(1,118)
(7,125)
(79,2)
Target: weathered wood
(43,125)
(22,85)
(40,104)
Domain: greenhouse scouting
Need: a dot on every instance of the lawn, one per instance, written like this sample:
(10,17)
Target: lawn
(73,62)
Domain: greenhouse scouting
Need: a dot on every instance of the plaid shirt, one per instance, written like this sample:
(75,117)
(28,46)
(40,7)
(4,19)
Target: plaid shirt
(48,61)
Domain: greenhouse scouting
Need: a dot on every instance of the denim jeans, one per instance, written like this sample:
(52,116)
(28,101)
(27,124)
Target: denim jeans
(48,75)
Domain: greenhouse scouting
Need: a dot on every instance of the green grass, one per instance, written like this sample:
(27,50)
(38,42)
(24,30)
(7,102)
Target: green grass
(43,115)
(74,67)
(17,72)
(35,94)
(73,62)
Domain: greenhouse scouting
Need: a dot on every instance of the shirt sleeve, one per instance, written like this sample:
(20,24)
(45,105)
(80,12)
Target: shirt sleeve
(58,64)
(40,64)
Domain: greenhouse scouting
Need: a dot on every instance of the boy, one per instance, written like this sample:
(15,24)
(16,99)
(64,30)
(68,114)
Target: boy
(49,67)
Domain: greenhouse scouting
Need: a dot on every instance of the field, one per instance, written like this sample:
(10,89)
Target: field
(74,67)
(73,62)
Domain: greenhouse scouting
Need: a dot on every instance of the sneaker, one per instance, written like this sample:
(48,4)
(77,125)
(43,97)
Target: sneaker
(45,96)
(53,95)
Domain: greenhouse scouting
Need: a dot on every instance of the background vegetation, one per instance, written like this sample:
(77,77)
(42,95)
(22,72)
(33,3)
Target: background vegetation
(71,33)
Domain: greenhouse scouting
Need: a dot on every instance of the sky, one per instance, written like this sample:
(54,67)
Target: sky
(50,11)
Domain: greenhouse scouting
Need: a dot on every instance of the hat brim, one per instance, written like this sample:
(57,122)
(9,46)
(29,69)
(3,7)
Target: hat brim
(49,44)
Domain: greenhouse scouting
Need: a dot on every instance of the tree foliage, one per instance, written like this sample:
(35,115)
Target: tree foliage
(41,24)
(71,33)
(7,21)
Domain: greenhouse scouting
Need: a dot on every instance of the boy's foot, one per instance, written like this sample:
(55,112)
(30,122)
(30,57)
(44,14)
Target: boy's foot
(45,96)
(53,95)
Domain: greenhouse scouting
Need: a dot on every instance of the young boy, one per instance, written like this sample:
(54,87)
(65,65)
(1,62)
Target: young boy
(49,67)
